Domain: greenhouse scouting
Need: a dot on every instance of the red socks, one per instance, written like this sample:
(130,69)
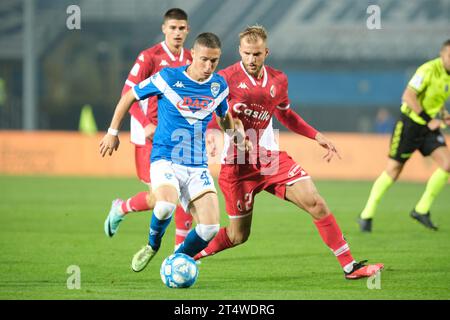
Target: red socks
(183,223)
(218,243)
(332,236)
(328,230)
(136,203)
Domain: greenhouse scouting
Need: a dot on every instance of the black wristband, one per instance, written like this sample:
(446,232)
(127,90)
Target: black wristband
(425,116)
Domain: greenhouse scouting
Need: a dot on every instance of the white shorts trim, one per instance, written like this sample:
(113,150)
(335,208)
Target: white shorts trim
(240,216)
(294,181)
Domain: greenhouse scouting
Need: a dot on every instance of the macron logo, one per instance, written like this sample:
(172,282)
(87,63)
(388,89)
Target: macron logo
(179,84)
(242,85)
(164,63)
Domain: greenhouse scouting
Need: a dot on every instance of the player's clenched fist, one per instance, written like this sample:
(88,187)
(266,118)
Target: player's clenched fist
(108,144)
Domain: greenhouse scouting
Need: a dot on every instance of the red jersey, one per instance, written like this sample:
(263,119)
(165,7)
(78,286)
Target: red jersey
(149,62)
(254,101)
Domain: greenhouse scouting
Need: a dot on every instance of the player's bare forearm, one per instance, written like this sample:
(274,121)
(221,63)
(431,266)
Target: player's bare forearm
(410,98)
(235,130)
(226,123)
(110,141)
(122,108)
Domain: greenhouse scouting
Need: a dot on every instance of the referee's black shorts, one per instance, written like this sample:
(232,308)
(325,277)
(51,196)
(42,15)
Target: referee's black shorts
(409,136)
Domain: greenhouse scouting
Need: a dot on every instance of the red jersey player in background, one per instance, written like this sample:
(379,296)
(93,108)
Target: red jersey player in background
(257,92)
(169,53)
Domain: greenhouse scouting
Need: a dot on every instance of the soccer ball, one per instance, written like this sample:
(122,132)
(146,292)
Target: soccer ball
(179,271)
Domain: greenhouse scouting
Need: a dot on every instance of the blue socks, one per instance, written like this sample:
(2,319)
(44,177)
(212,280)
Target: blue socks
(157,230)
(193,244)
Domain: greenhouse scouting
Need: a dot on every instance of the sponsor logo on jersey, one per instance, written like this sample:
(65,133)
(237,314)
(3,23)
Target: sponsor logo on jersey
(215,88)
(179,84)
(258,115)
(273,91)
(194,103)
(164,63)
(242,85)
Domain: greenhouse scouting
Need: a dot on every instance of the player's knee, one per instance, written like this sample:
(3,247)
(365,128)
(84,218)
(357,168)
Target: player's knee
(207,231)
(394,171)
(317,207)
(446,165)
(164,210)
(239,237)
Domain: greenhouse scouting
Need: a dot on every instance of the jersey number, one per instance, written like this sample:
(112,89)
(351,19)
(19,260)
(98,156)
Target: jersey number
(205,178)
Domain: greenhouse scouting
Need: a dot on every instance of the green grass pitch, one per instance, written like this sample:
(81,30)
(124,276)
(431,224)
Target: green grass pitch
(49,224)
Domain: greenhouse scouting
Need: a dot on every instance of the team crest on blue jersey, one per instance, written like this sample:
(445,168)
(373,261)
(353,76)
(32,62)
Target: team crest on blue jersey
(168,176)
(215,88)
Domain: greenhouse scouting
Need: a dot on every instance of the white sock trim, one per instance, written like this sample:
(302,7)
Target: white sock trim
(341,250)
(349,267)
(207,231)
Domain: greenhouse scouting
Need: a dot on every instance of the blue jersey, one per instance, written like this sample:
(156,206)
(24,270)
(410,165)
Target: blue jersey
(185,107)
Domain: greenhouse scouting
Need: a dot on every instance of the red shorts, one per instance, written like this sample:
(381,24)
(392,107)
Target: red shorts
(142,161)
(240,183)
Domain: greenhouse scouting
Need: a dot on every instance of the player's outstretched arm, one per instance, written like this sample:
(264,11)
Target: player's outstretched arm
(327,144)
(110,141)
(292,120)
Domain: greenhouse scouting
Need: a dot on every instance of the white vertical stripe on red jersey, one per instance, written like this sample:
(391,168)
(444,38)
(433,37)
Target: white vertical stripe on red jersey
(130,83)
(250,77)
(181,55)
(267,140)
(166,49)
(134,71)
(265,77)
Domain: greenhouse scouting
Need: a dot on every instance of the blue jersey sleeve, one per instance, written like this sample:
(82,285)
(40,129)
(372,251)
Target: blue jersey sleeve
(148,87)
(222,107)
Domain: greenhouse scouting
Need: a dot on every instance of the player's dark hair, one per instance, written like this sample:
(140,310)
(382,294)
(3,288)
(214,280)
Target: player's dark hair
(175,14)
(208,40)
(445,44)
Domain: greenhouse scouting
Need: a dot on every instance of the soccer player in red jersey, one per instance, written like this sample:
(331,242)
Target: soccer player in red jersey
(257,92)
(169,53)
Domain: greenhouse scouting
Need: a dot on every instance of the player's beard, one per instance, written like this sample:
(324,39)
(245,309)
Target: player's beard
(255,73)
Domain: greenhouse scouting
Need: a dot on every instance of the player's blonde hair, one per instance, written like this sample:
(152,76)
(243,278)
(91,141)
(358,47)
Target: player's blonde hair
(252,33)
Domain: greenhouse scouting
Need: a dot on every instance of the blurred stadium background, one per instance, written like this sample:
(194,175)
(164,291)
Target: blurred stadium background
(341,73)
(344,77)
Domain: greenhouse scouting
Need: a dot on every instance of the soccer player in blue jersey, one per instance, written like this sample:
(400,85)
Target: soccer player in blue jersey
(187,97)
